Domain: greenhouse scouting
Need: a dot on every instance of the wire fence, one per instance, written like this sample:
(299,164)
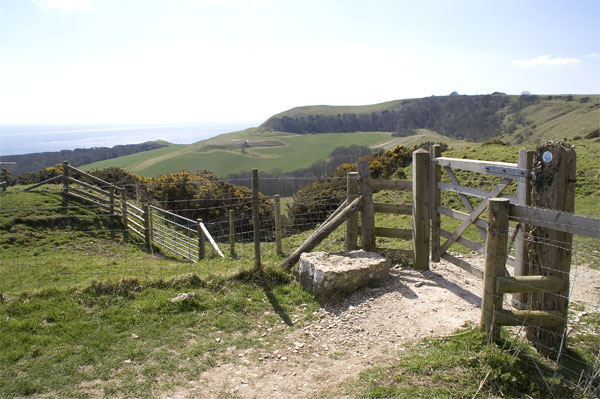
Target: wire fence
(75,242)
(560,317)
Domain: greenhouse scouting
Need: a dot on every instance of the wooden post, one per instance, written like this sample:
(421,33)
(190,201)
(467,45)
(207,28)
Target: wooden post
(367,214)
(201,249)
(549,251)
(352,222)
(436,201)
(495,261)
(421,180)
(519,300)
(146,210)
(256,218)
(277,209)
(124,212)
(65,176)
(232,233)
(111,198)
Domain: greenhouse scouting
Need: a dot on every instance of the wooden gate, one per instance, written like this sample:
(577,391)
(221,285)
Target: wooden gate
(506,174)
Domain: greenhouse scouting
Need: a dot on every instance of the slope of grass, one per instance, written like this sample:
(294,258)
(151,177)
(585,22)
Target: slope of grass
(83,314)
(227,155)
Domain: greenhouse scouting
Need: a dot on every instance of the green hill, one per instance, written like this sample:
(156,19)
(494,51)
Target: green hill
(299,137)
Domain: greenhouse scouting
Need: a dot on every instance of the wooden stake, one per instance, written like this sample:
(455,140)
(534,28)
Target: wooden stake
(367,214)
(495,261)
(231,233)
(277,205)
(519,300)
(256,218)
(549,251)
(201,248)
(352,222)
(124,212)
(435,193)
(421,179)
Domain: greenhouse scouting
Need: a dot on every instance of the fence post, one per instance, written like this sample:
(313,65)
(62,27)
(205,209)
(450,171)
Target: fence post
(519,300)
(367,214)
(201,249)
(232,233)
(421,178)
(435,194)
(146,210)
(549,251)
(124,212)
(495,261)
(352,222)
(256,218)
(65,177)
(111,198)
(277,209)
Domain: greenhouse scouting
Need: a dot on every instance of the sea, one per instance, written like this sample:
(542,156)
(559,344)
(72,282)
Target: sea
(26,139)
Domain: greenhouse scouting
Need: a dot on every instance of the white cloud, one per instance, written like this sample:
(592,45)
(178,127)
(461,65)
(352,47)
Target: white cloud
(544,60)
(592,55)
(77,5)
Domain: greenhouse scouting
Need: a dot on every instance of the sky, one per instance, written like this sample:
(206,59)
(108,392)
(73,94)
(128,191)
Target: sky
(207,61)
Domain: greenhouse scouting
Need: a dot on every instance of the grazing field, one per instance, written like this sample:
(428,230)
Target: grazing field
(84,315)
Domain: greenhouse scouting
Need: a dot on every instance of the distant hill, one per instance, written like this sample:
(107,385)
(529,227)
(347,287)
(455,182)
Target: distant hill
(518,119)
(301,137)
(80,156)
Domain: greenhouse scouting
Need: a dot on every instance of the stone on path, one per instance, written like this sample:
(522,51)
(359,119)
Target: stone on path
(331,276)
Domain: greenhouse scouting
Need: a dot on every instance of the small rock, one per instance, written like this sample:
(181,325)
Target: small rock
(419,284)
(218,339)
(134,336)
(185,296)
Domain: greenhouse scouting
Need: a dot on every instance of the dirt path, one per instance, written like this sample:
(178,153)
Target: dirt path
(367,328)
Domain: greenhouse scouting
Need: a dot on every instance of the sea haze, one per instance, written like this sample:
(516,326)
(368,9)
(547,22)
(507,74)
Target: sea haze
(26,139)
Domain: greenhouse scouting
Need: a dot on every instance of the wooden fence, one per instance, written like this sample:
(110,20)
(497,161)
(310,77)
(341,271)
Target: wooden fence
(154,225)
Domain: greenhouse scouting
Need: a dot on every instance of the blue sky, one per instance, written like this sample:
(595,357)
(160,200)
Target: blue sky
(184,61)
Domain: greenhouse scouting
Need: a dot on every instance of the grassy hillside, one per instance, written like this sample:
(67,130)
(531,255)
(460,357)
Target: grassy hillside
(515,119)
(241,152)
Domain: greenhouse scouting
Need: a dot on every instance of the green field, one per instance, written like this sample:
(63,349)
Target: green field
(293,152)
(268,152)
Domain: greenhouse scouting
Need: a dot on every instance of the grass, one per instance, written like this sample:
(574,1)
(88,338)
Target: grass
(465,365)
(83,314)
(224,156)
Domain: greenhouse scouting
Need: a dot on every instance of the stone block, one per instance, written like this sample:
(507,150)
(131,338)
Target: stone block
(331,276)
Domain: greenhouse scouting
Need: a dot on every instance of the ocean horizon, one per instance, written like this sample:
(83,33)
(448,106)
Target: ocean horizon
(27,139)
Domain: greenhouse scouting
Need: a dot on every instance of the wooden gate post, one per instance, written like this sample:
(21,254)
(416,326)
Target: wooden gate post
(367,214)
(421,178)
(124,212)
(201,249)
(277,203)
(495,261)
(111,199)
(146,210)
(436,201)
(231,233)
(256,218)
(519,300)
(352,222)
(549,251)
